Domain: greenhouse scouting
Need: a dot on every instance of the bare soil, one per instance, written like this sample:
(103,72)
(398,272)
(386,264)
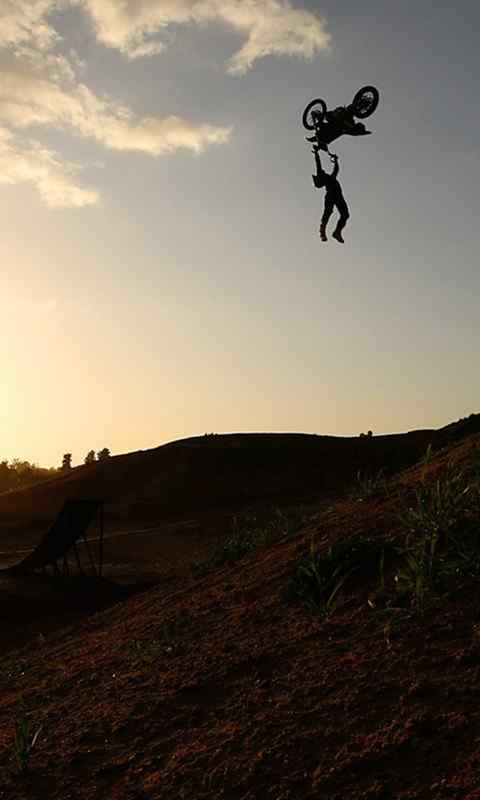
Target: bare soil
(221,687)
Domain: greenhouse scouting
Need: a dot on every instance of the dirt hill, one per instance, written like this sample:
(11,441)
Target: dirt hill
(227,686)
(217,472)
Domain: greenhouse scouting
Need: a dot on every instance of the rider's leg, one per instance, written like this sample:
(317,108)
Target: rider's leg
(343,218)
(327,213)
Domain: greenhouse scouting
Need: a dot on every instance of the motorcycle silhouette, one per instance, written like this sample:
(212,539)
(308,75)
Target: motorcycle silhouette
(330,125)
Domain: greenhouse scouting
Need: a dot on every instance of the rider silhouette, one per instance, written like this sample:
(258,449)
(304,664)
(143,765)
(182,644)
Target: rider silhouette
(333,197)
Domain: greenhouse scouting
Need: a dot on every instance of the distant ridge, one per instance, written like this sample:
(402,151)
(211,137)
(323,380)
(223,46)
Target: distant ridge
(215,470)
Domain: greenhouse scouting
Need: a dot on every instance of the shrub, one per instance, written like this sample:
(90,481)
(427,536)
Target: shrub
(319,577)
(368,484)
(249,532)
(442,535)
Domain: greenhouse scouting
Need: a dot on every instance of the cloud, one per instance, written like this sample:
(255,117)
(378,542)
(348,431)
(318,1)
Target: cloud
(23,21)
(34,164)
(56,66)
(140,27)
(270,27)
(27,99)
(40,85)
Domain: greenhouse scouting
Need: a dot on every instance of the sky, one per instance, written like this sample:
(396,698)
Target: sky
(161,271)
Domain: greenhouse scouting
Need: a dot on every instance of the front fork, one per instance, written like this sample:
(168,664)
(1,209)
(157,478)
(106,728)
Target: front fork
(316,139)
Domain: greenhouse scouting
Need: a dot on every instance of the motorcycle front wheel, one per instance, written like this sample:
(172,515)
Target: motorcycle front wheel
(308,118)
(365,102)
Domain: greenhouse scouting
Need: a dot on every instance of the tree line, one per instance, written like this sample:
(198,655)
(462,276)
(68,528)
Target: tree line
(17,474)
(90,458)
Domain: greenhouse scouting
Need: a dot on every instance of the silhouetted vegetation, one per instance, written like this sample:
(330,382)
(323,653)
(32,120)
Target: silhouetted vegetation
(439,552)
(442,527)
(320,576)
(249,532)
(102,455)
(67,462)
(90,457)
(369,484)
(16,474)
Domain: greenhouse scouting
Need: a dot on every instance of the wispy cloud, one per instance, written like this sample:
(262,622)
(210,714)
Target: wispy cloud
(23,21)
(54,178)
(41,86)
(139,27)
(27,99)
(270,27)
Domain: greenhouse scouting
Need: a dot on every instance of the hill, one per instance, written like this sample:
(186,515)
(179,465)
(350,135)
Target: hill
(217,473)
(228,686)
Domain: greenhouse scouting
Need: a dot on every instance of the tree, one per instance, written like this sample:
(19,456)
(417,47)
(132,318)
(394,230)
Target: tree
(20,473)
(90,457)
(7,477)
(67,461)
(102,455)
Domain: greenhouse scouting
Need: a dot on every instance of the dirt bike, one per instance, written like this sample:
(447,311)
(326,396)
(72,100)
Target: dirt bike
(330,125)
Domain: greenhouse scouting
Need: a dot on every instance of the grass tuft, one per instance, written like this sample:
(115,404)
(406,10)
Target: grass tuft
(319,577)
(250,532)
(442,542)
(24,743)
(369,484)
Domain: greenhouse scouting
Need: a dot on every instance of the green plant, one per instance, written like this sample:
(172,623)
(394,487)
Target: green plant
(442,528)
(438,508)
(24,742)
(368,484)
(426,460)
(319,577)
(249,532)
(415,575)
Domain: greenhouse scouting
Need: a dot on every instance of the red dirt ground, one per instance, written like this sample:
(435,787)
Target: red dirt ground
(218,687)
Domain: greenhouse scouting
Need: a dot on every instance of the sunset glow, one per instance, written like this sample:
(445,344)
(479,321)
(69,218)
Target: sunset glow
(162,274)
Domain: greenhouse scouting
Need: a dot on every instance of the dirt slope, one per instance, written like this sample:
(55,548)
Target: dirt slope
(221,688)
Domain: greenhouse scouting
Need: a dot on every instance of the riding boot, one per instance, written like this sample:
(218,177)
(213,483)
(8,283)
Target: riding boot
(337,234)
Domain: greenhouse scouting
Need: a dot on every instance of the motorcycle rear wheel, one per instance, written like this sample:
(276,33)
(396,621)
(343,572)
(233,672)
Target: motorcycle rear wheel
(308,121)
(365,102)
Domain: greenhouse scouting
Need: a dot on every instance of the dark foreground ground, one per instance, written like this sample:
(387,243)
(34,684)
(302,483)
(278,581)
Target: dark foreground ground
(221,686)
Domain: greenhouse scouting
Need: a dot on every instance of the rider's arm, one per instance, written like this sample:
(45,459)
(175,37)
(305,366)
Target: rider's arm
(335,170)
(318,163)
(318,179)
